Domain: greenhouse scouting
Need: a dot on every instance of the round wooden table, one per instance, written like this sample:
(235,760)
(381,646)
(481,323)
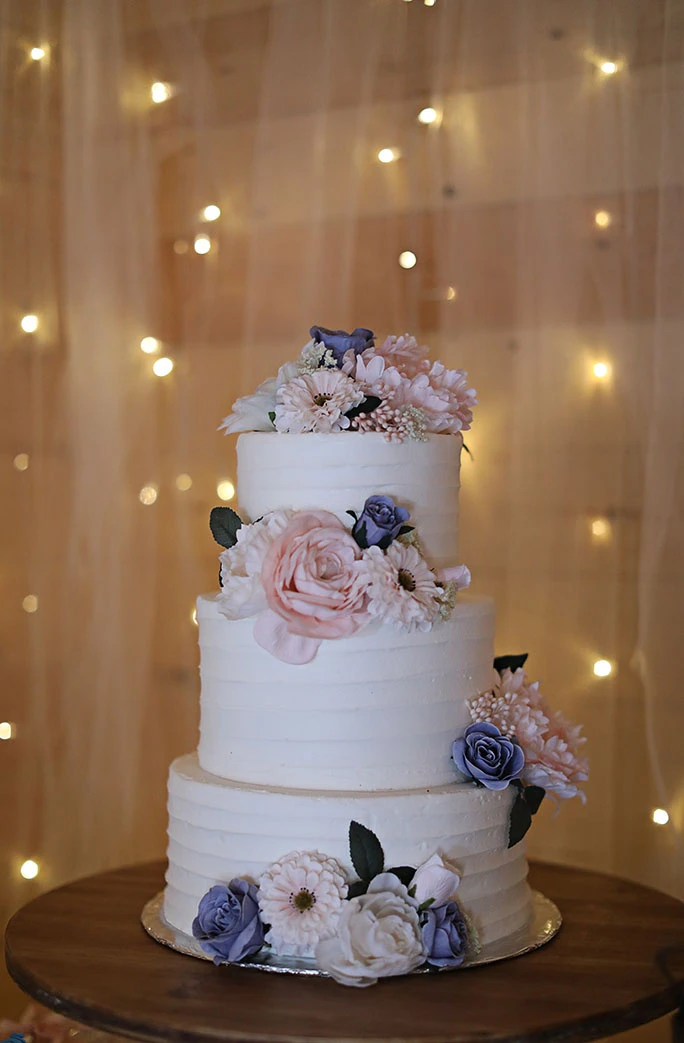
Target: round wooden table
(617,962)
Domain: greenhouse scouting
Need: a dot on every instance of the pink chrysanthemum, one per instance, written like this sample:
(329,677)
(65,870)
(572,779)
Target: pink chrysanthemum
(460,397)
(405,353)
(301,897)
(316,401)
(402,589)
(550,742)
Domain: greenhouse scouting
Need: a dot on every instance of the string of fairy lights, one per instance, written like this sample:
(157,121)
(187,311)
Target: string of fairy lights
(430,117)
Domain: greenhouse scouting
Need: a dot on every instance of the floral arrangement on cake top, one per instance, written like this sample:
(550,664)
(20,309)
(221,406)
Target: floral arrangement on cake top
(345,382)
(517,740)
(309,578)
(386,923)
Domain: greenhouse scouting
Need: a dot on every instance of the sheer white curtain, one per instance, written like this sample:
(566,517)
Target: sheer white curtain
(544,207)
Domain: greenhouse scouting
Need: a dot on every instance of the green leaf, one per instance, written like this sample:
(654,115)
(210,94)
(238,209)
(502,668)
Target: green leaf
(468,451)
(520,820)
(224,524)
(271,417)
(534,795)
(367,406)
(353,514)
(510,662)
(405,529)
(359,887)
(405,874)
(366,851)
(220,578)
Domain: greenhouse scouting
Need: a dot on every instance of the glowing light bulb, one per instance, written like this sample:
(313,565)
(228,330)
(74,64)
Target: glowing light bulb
(603,668)
(193,615)
(225,489)
(602,219)
(202,244)
(407,259)
(427,115)
(160,92)
(608,68)
(30,604)
(162,367)
(211,213)
(29,869)
(180,246)
(451,293)
(29,323)
(660,816)
(37,54)
(429,3)
(600,529)
(21,461)
(388,155)
(148,495)
(601,370)
(183,482)
(6,730)
(149,345)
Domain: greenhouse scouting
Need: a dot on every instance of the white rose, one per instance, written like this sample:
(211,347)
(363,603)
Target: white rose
(242,594)
(435,879)
(378,936)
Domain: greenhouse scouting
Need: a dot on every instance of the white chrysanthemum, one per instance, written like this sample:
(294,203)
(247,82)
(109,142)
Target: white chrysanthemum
(241,593)
(301,897)
(402,589)
(316,401)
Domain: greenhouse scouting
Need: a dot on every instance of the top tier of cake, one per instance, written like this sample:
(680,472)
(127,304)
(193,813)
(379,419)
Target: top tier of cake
(337,472)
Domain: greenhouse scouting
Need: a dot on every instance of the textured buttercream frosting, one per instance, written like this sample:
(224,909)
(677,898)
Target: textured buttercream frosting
(378,710)
(337,472)
(220,829)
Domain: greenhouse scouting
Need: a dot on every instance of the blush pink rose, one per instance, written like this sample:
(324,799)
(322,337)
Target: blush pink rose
(315,584)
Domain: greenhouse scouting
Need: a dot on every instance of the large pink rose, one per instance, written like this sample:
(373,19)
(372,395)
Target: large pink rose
(315,584)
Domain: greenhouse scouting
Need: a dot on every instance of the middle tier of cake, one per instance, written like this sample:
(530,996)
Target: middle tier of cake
(376,711)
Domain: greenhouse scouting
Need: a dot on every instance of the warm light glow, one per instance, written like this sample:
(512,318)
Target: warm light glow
(660,816)
(407,259)
(183,482)
(193,615)
(181,246)
(388,155)
(29,323)
(6,730)
(160,92)
(427,115)
(429,3)
(202,244)
(602,219)
(609,68)
(37,53)
(148,495)
(601,370)
(21,461)
(602,668)
(149,345)
(30,604)
(162,367)
(225,489)
(211,213)
(601,529)
(451,293)
(29,869)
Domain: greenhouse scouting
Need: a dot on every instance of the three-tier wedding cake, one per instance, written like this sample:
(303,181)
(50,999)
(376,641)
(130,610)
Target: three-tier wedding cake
(366,769)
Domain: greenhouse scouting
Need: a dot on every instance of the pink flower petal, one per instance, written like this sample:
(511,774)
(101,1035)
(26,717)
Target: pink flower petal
(271,633)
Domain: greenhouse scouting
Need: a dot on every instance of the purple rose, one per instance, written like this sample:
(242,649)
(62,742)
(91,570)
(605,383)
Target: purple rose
(227,922)
(380,522)
(445,935)
(488,756)
(338,341)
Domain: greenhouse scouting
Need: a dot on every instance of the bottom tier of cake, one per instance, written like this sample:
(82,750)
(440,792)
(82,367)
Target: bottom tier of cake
(220,829)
